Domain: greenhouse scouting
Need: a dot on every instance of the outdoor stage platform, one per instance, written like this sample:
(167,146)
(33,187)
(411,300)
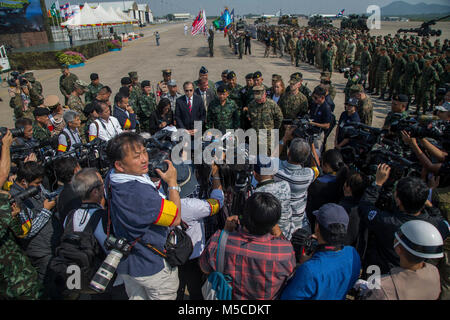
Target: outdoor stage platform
(43,56)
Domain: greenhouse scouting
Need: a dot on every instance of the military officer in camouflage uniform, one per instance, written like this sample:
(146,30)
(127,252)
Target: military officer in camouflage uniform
(293,103)
(234,89)
(365,106)
(398,110)
(18,278)
(211,42)
(350,52)
(264,113)
(145,106)
(342,49)
(66,83)
(40,124)
(136,91)
(383,67)
(75,103)
(93,88)
(291,45)
(299,50)
(223,113)
(245,99)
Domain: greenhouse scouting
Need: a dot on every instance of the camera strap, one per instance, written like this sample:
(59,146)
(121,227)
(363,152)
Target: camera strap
(324,247)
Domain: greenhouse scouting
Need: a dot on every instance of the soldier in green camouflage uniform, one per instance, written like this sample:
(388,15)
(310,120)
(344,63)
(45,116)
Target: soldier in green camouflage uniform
(398,110)
(398,72)
(18,278)
(291,46)
(412,73)
(145,106)
(223,113)
(365,107)
(93,88)
(264,113)
(66,83)
(75,103)
(234,89)
(353,77)
(244,95)
(350,52)
(40,124)
(293,103)
(366,60)
(21,102)
(383,67)
(327,59)
(373,89)
(136,91)
(342,49)
(428,83)
(35,89)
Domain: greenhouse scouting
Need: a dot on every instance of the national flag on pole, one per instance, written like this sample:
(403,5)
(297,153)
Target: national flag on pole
(223,21)
(199,23)
(54,11)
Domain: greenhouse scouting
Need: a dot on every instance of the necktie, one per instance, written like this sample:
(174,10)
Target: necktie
(189,104)
(204,99)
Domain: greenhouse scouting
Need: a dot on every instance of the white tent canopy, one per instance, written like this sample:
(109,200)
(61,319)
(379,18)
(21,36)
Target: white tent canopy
(90,17)
(124,16)
(113,14)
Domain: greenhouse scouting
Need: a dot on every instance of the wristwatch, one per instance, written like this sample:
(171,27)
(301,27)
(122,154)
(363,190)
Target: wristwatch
(175,188)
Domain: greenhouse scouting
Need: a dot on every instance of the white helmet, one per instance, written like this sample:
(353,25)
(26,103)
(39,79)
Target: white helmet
(421,239)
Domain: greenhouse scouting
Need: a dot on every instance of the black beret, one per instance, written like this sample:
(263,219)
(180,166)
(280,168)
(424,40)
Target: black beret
(257,75)
(231,75)
(41,112)
(145,83)
(222,89)
(125,81)
(249,76)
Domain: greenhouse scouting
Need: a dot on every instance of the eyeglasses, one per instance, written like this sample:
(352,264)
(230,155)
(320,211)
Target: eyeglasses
(190,90)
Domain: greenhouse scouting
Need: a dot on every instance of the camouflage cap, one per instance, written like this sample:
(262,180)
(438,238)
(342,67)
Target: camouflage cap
(352,102)
(276,76)
(81,84)
(258,89)
(356,88)
(29,76)
(296,77)
(133,74)
(51,101)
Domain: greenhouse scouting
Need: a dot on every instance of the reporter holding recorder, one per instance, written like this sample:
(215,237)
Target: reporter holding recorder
(143,216)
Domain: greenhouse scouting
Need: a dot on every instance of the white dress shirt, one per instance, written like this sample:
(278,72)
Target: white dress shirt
(106,129)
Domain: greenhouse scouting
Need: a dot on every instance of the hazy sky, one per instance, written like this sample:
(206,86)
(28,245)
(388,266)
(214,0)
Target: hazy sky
(213,7)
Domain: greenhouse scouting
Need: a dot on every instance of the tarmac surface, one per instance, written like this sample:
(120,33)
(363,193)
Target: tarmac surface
(185,55)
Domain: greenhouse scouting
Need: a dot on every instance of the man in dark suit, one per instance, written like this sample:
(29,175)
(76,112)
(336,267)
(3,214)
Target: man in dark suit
(205,92)
(189,108)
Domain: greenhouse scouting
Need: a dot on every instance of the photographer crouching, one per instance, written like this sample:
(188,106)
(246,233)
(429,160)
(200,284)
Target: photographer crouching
(142,215)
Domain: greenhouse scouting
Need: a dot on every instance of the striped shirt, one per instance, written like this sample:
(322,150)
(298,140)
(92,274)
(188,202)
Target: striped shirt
(299,179)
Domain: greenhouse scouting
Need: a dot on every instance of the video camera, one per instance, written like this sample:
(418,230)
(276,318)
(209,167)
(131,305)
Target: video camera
(435,130)
(303,129)
(159,148)
(28,193)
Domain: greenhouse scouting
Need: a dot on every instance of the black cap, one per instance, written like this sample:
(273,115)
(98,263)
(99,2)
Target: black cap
(94,76)
(331,213)
(125,81)
(222,89)
(41,112)
(401,98)
(231,75)
(203,70)
(145,83)
(186,179)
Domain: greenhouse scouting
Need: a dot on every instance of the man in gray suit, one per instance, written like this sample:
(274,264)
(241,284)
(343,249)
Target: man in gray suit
(207,94)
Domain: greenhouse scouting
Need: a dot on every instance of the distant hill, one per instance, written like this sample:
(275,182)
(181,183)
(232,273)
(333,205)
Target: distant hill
(399,8)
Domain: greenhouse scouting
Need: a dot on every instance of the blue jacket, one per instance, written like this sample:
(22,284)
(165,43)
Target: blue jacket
(127,120)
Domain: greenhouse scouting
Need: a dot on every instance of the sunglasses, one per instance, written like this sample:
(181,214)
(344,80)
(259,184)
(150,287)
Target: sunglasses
(190,90)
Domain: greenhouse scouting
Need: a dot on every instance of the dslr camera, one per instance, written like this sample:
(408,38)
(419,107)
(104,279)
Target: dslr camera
(119,248)
(303,128)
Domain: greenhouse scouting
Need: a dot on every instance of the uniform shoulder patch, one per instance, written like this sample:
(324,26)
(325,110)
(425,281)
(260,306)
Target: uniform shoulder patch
(372,214)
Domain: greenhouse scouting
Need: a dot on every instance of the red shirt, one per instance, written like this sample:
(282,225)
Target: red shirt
(258,265)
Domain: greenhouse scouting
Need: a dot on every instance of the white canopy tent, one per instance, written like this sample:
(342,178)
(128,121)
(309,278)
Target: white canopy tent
(124,16)
(86,17)
(107,18)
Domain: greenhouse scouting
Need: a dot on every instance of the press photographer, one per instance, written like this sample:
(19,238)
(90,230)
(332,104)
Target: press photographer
(20,100)
(142,220)
(410,197)
(321,117)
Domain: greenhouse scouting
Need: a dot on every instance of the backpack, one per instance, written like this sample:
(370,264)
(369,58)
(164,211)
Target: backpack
(77,248)
(217,286)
